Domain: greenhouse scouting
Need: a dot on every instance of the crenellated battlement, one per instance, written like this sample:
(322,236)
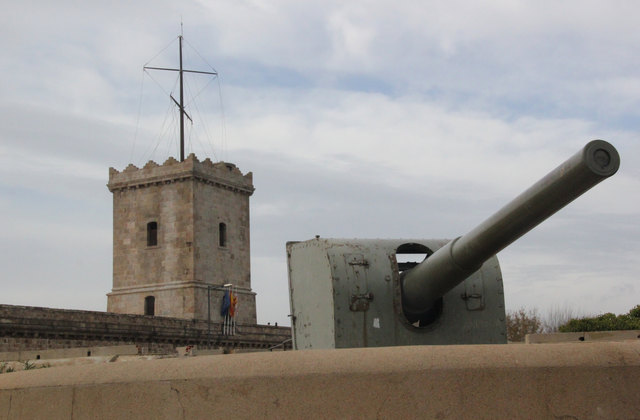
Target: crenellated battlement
(222,174)
(180,227)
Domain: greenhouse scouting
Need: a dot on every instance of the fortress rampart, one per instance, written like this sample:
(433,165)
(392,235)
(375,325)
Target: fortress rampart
(33,328)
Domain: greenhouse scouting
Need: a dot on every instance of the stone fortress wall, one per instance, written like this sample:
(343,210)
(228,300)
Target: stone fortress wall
(32,328)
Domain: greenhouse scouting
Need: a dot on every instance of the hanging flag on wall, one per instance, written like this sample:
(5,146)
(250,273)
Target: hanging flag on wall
(229,309)
(233,303)
(226,303)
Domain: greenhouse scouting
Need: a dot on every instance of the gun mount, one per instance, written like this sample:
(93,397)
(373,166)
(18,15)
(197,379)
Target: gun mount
(355,293)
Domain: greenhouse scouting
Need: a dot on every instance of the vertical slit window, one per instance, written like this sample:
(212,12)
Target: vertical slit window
(149,305)
(222,234)
(152,234)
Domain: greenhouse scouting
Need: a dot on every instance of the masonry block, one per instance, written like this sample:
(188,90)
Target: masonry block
(181,232)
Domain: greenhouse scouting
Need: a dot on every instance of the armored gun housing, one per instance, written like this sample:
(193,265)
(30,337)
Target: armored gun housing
(356,293)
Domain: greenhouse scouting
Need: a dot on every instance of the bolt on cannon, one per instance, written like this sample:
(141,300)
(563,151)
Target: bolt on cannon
(356,292)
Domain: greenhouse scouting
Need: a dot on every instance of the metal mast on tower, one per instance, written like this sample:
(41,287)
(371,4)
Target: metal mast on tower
(180,104)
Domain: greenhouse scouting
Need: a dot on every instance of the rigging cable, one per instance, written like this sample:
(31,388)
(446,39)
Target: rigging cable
(158,83)
(203,121)
(191,128)
(223,127)
(161,51)
(135,135)
(162,129)
(166,124)
(209,137)
(201,57)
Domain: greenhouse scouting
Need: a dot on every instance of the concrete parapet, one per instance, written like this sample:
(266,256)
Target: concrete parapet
(587,380)
(126,349)
(633,335)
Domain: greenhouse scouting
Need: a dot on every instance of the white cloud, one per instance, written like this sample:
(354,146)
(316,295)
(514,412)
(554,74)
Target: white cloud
(413,139)
(372,119)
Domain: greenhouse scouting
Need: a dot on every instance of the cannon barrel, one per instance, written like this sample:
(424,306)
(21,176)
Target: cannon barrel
(461,257)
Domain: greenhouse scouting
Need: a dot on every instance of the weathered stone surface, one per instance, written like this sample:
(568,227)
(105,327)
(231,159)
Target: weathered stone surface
(546,381)
(70,353)
(189,201)
(633,335)
(32,328)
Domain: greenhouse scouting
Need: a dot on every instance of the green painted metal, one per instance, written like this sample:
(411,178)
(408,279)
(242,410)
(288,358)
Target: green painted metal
(346,293)
(454,262)
(355,293)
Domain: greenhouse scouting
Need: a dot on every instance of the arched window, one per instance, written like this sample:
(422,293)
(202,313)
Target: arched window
(152,234)
(149,305)
(222,234)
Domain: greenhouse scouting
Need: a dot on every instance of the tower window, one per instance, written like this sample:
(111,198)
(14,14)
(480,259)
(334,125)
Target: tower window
(149,305)
(152,234)
(222,234)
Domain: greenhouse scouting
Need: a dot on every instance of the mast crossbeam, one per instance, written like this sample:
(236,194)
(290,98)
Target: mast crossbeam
(184,71)
(180,104)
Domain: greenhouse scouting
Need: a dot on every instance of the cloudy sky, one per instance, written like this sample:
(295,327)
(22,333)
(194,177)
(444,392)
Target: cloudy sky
(373,119)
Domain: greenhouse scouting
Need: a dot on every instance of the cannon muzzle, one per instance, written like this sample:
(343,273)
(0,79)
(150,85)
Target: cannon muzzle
(424,284)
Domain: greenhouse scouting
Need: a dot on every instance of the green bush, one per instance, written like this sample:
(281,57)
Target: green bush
(605,322)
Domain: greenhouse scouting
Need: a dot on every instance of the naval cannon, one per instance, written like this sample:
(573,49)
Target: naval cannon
(359,293)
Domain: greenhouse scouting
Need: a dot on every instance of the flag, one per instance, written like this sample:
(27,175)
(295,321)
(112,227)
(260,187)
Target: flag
(233,304)
(226,303)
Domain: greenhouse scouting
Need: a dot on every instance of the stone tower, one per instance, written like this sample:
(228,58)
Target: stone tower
(181,232)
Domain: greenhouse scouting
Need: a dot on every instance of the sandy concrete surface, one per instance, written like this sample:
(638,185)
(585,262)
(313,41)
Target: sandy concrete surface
(576,380)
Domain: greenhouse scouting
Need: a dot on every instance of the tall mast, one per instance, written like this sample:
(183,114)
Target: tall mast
(180,104)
